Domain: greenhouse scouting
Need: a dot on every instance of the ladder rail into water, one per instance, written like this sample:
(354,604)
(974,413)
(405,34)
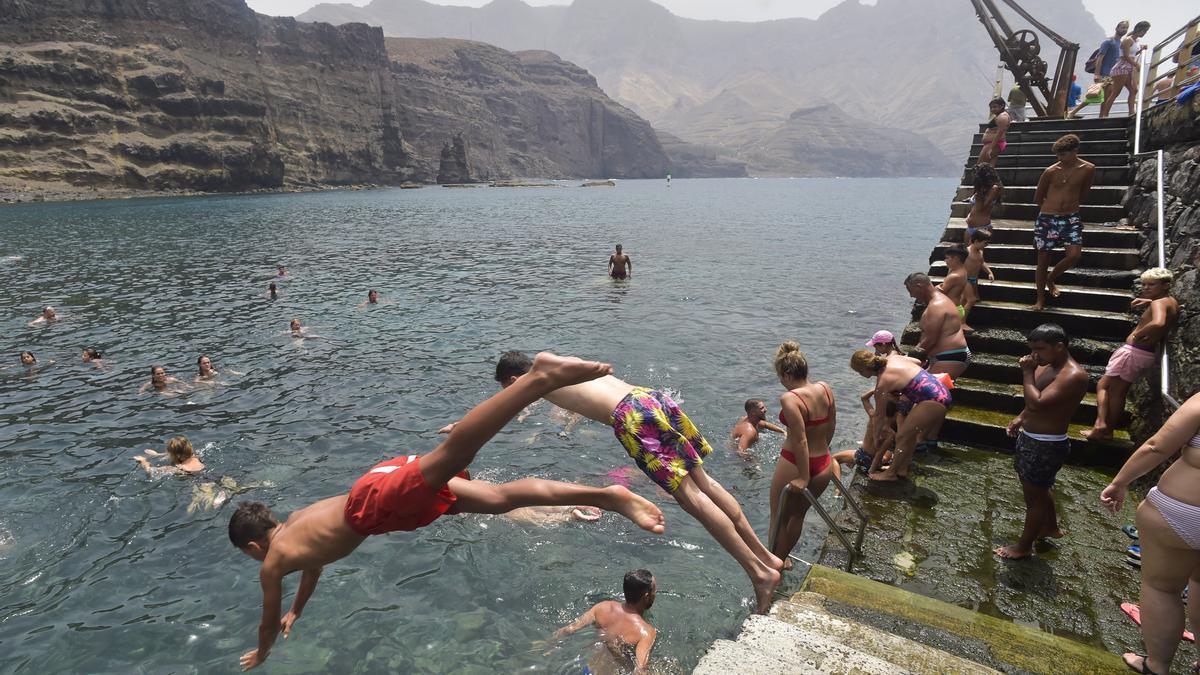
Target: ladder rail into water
(853,552)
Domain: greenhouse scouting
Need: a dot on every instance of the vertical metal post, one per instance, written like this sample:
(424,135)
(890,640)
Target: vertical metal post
(1137,128)
(1162,260)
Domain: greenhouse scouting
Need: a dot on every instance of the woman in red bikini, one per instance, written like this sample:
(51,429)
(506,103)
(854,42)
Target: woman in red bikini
(810,415)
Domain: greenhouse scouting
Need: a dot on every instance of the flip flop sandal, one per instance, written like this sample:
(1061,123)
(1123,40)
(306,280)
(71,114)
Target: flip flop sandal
(1145,668)
(1134,551)
(1130,531)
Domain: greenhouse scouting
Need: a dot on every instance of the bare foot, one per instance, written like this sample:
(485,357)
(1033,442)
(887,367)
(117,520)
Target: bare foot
(587,514)
(883,476)
(1143,663)
(787,564)
(774,562)
(1011,552)
(636,508)
(1056,533)
(764,589)
(1054,291)
(561,371)
(1097,434)
(1038,306)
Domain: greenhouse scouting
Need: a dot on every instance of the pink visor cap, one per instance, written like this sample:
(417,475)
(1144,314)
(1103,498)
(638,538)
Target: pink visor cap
(881,337)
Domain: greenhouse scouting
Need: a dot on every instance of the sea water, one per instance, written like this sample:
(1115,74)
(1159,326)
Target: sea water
(102,569)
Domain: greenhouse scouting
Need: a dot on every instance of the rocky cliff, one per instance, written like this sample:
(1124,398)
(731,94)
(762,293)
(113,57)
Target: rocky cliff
(1173,129)
(521,115)
(207,95)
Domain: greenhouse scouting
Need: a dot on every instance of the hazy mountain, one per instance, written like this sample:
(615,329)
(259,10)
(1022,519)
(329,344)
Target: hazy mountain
(925,66)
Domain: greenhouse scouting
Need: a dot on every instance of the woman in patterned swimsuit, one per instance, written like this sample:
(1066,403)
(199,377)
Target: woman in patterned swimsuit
(1168,525)
(902,375)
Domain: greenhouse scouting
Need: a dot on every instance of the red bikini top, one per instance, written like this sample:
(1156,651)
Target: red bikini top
(811,423)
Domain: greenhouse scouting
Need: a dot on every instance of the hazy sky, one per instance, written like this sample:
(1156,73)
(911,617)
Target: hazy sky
(1165,15)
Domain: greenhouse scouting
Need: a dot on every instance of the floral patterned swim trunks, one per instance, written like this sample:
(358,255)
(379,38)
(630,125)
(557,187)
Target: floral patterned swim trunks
(1054,231)
(658,436)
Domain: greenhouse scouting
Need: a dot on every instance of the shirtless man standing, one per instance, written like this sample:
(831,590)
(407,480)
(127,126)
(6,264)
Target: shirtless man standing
(942,338)
(627,636)
(1054,385)
(410,492)
(745,431)
(1060,191)
(669,450)
(619,265)
(1135,358)
(955,284)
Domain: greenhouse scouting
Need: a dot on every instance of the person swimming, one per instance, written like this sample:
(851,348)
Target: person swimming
(745,430)
(48,316)
(181,455)
(626,637)
(160,381)
(28,359)
(273,291)
(205,370)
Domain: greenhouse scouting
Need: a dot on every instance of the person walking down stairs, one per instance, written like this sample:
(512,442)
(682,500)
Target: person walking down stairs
(1060,191)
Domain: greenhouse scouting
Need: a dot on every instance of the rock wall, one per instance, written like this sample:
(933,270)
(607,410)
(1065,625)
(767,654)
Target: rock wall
(191,95)
(1174,129)
(521,114)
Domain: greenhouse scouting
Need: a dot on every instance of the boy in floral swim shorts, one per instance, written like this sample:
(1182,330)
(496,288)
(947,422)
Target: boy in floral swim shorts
(670,450)
(1060,191)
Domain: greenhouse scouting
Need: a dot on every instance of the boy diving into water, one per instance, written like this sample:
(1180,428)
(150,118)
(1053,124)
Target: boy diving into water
(669,449)
(410,492)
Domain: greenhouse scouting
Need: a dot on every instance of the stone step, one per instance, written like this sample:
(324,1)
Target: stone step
(1078,126)
(1002,369)
(768,646)
(1010,399)
(1104,176)
(1091,213)
(1092,323)
(988,429)
(1021,135)
(1040,157)
(1000,341)
(1019,146)
(806,611)
(1008,231)
(1080,297)
(1023,194)
(1104,258)
(1006,645)
(1079,276)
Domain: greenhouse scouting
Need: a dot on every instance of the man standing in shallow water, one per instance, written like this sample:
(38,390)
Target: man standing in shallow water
(1060,191)
(619,265)
(1054,385)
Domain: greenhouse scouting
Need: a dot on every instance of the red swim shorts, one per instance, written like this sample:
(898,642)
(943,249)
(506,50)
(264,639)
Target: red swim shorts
(393,496)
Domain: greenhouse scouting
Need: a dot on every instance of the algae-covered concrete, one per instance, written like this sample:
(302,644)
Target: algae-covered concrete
(934,536)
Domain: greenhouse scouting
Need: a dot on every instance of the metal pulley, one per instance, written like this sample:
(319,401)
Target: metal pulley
(1024,45)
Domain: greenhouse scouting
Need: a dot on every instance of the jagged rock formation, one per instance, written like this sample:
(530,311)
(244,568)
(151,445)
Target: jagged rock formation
(921,65)
(452,167)
(206,95)
(191,95)
(523,115)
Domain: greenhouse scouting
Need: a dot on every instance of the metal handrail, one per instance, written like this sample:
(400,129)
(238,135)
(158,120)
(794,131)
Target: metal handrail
(853,552)
(1191,35)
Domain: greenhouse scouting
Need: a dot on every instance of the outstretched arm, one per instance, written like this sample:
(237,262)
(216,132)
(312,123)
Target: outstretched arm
(577,625)
(771,426)
(268,628)
(1170,438)
(308,584)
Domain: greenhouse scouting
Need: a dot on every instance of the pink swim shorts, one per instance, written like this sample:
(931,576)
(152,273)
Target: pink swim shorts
(1129,363)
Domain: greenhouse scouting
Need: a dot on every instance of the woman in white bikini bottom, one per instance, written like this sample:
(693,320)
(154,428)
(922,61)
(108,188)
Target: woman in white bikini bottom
(1168,524)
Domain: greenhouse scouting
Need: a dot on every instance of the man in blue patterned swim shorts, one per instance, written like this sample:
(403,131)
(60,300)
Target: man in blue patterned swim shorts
(1061,190)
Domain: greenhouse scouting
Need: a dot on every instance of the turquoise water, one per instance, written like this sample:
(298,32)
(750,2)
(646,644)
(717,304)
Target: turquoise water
(104,570)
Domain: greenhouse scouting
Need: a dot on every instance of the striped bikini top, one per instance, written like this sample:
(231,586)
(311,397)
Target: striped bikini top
(1195,442)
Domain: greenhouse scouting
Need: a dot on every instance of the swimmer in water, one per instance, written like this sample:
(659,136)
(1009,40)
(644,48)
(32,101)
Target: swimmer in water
(48,316)
(28,359)
(179,451)
(745,430)
(546,516)
(625,635)
(282,271)
(273,291)
(160,381)
(373,299)
(620,266)
(205,369)
(92,355)
(410,492)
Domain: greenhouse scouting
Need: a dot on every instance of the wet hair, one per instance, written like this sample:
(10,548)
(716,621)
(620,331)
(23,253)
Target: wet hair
(916,279)
(618,247)
(998,101)
(637,584)
(198,360)
(271,287)
(1158,274)
(1141,26)
(1068,143)
(154,368)
(790,361)
(30,355)
(752,405)
(986,178)
(512,364)
(957,251)
(251,522)
(981,234)
(865,359)
(92,352)
(180,449)
(1050,333)
(370,291)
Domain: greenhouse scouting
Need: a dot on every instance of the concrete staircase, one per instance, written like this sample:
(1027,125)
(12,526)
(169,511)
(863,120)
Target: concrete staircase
(1093,307)
(841,623)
